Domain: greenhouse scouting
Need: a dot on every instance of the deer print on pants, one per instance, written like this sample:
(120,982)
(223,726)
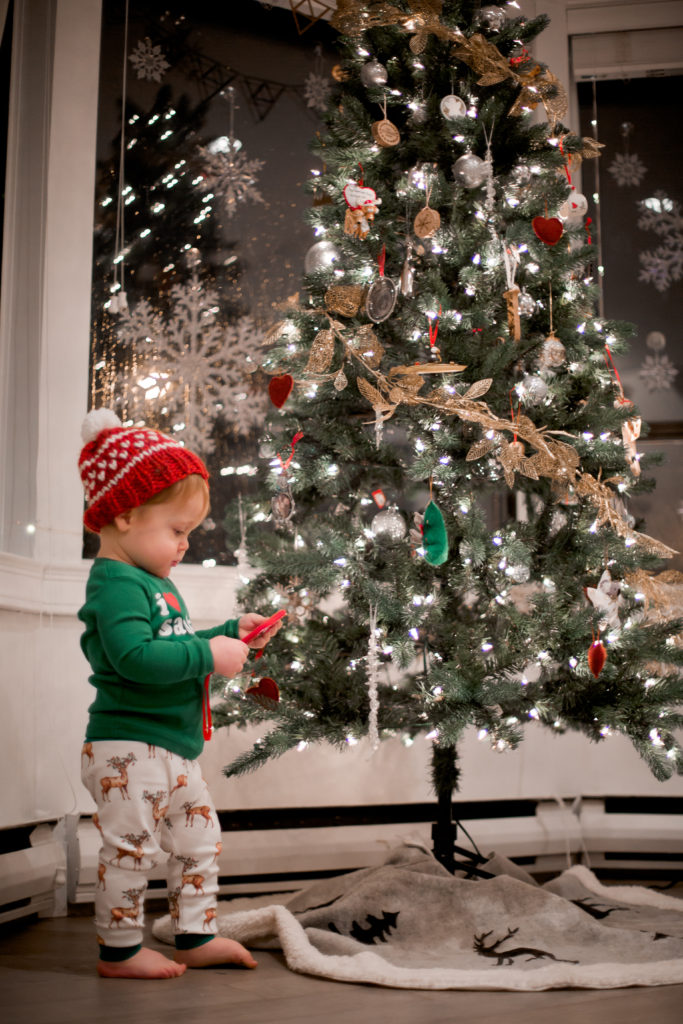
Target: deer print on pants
(202,812)
(118,914)
(190,877)
(158,811)
(164,814)
(137,853)
(110,782)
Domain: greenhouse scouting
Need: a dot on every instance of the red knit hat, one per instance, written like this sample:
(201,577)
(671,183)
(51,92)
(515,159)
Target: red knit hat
(122,468)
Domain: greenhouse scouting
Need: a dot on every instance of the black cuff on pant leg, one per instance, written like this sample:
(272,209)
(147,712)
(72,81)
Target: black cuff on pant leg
(192,941)
(114,954)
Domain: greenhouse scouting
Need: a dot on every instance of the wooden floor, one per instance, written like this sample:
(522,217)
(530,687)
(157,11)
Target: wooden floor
(47,976)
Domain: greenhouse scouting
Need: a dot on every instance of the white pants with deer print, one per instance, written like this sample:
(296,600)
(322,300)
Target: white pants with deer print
(150,804)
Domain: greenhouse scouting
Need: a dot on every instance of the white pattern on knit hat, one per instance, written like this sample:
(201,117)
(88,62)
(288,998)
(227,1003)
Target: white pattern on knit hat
(131,464)
(137,437)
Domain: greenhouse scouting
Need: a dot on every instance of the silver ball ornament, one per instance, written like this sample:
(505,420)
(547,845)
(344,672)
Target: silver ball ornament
(320,256)
(526,304)
(389,525)
(521,175)
(470,170)
(518,573)
(373,73)
(492,18)
(532,389)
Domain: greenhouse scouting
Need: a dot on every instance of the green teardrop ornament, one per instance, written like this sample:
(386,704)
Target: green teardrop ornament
(434,536)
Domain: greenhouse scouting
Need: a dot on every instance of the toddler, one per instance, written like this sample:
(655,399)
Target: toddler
(145,493)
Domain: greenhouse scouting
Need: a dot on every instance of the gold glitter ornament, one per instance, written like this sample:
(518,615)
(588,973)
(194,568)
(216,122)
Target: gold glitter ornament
(366,343)
(353,17)
(321,353)
(344,299)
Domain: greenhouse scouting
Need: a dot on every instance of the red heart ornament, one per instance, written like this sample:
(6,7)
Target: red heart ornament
(597,656)
(280,388)
(266,692)
(548,229)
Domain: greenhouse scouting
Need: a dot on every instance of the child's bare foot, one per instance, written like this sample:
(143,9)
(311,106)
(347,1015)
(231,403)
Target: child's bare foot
(214,952)
(146,963)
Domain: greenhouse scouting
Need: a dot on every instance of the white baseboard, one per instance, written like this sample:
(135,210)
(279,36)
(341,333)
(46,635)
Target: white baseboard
(278,860)
(33,880)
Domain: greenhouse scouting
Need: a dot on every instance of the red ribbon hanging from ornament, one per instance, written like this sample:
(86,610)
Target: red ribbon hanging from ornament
(381,260)
(207,724)
(433,328)
(587,224)
(567,162)
(613,370)
(295,440)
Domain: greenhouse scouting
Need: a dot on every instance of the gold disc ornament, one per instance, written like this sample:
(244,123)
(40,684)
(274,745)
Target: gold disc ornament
(427,222)
(385,134)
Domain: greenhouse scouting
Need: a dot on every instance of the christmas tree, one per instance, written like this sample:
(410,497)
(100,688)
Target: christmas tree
(445,351)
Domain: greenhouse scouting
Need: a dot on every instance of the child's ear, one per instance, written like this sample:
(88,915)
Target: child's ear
(122,522)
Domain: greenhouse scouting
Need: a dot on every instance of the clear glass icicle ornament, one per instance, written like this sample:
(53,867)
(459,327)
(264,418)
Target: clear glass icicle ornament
(373,674)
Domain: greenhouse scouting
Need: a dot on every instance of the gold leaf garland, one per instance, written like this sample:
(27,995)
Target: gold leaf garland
(552,458)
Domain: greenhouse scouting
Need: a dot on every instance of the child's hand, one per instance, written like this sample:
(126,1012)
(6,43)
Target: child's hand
(229,655)
(250,621)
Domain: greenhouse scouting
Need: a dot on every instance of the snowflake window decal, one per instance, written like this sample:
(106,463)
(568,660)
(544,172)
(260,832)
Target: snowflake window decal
(149,62)
(657,372)
(317,92)
(627,169)
(193,365)
(662,266)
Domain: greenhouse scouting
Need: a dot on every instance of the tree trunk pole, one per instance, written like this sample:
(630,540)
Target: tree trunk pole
(445,775)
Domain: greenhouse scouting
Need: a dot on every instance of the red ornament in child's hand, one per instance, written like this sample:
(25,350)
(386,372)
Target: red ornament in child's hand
(597,656)
(548,229)
(266,692)
(280,388)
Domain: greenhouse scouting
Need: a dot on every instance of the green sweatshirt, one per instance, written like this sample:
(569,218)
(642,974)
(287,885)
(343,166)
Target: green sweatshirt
(148,663)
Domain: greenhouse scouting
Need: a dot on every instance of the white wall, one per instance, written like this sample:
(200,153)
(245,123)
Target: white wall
(45,693)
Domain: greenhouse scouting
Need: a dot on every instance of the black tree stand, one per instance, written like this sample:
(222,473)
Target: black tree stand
(445,777)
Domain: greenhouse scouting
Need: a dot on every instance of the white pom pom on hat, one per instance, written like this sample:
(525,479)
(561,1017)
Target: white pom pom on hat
(96,421)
